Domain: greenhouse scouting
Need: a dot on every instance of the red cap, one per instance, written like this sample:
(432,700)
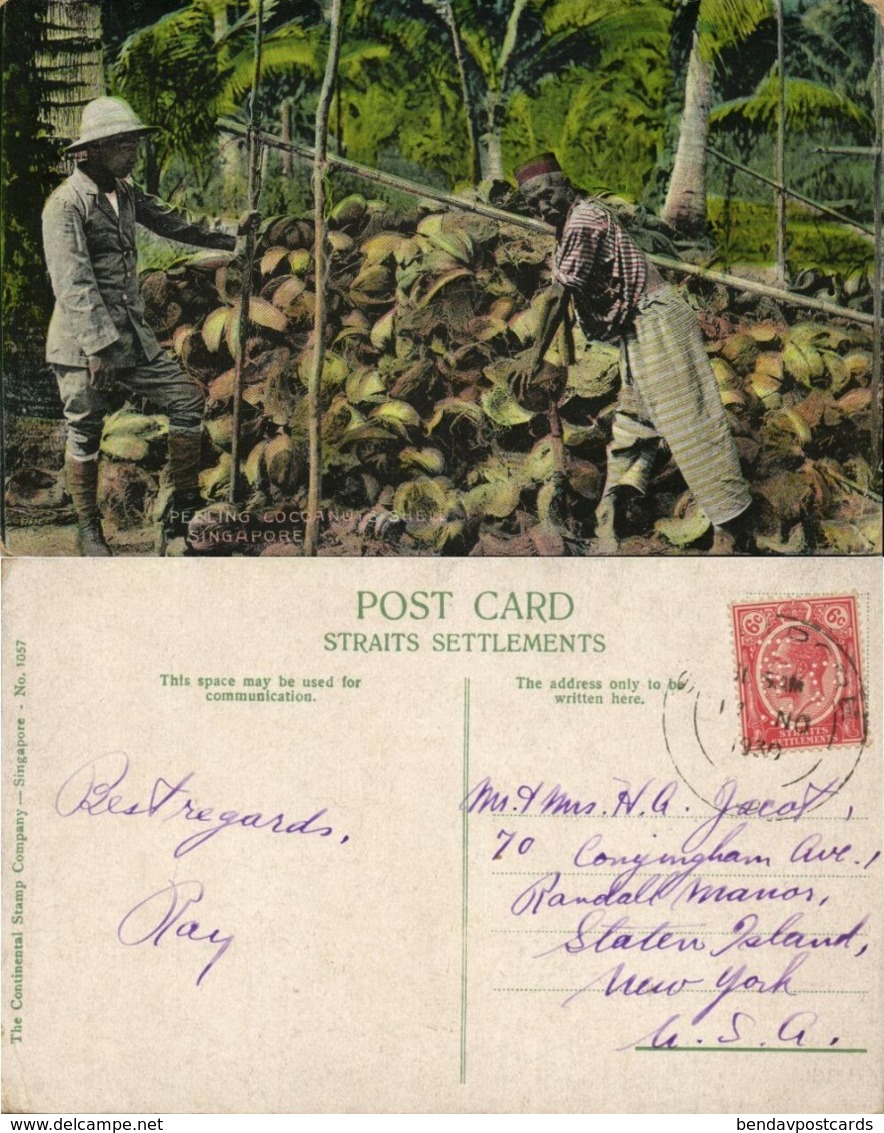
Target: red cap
(540,166)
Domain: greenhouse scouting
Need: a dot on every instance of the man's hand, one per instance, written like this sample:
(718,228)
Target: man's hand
(536,385)
(248,224)
(100,373)
(523,376)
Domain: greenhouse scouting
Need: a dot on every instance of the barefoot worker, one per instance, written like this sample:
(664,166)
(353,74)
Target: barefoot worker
(668,390)
(98,336)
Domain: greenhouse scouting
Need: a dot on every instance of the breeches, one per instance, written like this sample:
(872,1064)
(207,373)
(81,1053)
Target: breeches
(160,382)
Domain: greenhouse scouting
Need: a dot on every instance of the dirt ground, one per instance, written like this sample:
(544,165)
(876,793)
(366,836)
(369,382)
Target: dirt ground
(52,540)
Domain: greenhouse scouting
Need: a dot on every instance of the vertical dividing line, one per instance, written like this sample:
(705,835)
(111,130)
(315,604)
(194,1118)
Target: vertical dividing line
(465,881)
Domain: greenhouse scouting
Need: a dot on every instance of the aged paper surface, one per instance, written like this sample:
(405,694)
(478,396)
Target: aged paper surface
(428,833)
(448,836)
(433,437)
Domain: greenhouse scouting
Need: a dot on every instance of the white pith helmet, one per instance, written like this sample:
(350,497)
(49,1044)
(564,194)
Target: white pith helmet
(107,118)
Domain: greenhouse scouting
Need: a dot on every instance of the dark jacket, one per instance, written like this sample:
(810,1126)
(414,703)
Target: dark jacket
(90,253)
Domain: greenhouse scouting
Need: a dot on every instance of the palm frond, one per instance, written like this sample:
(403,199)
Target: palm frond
(287,51)
(725,23)
(626,22)
(807,104)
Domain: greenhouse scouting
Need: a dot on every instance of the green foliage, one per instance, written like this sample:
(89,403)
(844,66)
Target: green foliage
(602,141)
(606,122)
(807,105)
(812,242)
(287,50)
(838,43)
(170,74)
(194,64)
(403,100)
(514,51)
(620,27)
(27,176)
(725,23)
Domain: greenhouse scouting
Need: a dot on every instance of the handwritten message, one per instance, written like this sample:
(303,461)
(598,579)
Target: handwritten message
(105,787)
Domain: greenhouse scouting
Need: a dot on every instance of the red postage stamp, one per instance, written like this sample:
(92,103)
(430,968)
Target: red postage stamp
(799,673)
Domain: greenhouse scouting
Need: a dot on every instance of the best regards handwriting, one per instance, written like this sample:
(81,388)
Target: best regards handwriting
(93,789)
(170,914)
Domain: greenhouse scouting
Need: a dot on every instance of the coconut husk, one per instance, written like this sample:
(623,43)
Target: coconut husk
(196,292)
(425,308)
(289,232)
(164,320)
(421,383)
(538,541)
(154,287)
(281,395)
(126,493)
(35,488)
(195,356)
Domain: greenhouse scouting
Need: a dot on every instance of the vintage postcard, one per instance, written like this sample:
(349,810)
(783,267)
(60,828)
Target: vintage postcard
(560,278)
(443,837)
(570,281)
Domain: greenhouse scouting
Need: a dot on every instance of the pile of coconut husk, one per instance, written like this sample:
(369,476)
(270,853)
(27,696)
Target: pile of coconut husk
(427,450)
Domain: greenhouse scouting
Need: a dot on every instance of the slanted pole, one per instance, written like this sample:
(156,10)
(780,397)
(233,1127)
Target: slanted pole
(374,176)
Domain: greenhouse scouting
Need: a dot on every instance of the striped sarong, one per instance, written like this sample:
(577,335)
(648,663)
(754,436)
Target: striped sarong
(670,391)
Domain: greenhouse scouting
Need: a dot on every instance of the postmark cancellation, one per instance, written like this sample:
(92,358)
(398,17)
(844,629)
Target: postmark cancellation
(799,672)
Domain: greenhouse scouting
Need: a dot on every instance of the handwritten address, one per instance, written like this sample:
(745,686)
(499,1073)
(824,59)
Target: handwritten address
(717,916)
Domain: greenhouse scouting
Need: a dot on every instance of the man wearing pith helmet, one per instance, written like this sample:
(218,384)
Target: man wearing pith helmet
(668,390)
(98,336)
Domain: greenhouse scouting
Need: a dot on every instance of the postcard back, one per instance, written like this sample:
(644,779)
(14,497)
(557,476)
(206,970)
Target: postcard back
(442,837)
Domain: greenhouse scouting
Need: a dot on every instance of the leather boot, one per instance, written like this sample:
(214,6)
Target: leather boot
(82,483)
(184,465)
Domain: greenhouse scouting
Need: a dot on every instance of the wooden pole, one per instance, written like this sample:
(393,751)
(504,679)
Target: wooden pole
(320,257)
(539,226)
(817,205)
(389,181)
(245,298)
(780,170)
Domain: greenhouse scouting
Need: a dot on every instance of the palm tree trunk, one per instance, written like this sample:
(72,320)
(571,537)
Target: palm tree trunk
(70,64)
(685,207)
(230,156)
(491,152)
